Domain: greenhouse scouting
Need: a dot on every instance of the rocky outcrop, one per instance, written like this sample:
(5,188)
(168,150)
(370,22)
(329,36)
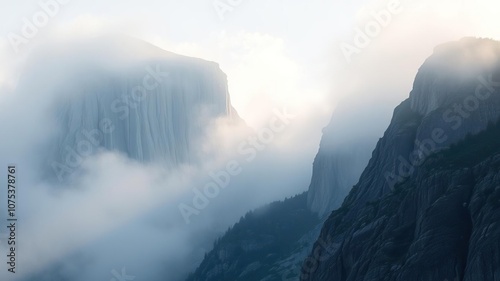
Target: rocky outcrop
(345,149)
(130,97)
(426,206)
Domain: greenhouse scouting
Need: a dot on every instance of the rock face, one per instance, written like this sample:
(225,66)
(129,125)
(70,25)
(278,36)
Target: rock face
(426,206)
(344,152)
(146,103)
(334,174)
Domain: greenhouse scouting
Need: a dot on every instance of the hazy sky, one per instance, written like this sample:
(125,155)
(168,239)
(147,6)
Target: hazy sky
(286,39)
(279,51)
(275,54)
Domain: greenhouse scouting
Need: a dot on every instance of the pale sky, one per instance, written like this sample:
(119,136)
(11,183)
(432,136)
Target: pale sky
(275,53)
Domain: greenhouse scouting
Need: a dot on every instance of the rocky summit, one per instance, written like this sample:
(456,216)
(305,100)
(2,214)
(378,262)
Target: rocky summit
(427,205)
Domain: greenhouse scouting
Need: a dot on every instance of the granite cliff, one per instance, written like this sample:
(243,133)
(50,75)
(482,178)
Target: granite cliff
(426,206)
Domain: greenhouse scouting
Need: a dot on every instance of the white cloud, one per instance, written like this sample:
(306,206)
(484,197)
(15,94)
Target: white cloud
(268,67)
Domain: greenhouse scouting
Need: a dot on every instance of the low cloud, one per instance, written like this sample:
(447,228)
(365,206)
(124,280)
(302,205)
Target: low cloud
(115,212)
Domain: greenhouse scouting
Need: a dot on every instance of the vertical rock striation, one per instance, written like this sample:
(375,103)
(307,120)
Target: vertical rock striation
(129,97)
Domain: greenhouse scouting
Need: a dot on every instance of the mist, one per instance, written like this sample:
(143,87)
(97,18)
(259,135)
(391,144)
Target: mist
(117,213)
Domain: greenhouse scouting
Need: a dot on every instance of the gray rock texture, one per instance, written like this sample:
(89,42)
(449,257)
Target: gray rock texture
(345,149)
(426,206)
